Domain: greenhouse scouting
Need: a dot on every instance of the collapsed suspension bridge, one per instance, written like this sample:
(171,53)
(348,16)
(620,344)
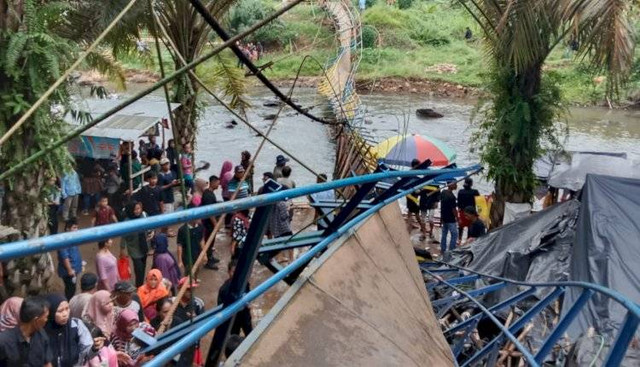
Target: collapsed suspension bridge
(357,295)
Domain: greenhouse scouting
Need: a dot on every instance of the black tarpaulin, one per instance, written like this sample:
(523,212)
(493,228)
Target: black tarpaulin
(535,248)
(606,250)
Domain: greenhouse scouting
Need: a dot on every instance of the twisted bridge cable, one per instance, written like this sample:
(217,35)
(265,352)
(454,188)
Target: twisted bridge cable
(220,221)
(76,132)
(66,74)
(200,8)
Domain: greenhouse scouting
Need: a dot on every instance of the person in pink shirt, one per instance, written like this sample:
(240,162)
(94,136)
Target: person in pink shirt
(106,266)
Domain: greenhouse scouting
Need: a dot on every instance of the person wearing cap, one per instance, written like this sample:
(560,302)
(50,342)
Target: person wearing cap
(466,197)
(167,180)
(448,217)
(88,286)
(476,227)
(281,162)
(125,296)
(237,185)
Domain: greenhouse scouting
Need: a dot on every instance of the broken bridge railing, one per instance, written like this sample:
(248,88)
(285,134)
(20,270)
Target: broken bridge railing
(453,288)
(372,193)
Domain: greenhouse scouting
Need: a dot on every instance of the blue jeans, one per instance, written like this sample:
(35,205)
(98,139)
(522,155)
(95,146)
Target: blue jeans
(90,201)
(451,228)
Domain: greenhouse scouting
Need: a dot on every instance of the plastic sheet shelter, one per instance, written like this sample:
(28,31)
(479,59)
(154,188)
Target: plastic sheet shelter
(568,170)
(102,141)
(606,250)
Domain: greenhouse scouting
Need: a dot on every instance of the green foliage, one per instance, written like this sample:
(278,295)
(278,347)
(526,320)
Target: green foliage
(31,59)
(369,37)
(225,76)
(404,4)
(246,13)
(516,128)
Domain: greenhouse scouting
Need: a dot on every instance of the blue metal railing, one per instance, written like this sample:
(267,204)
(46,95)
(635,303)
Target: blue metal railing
(184,336)
(489,351)
(68,239)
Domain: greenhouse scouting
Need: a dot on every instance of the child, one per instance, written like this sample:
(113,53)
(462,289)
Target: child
(104,213)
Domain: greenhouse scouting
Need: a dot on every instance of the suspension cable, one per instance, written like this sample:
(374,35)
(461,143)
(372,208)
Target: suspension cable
(66,74)
(200,8)
(220,221)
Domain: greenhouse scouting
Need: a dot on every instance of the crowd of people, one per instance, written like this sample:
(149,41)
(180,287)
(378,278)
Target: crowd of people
(135,290)
(456,213)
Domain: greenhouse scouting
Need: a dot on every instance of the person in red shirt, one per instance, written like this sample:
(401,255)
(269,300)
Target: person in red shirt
(104,213)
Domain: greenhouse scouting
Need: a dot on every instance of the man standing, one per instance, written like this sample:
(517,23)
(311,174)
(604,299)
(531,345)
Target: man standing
(27,344)
(466,197)
(190,236)
(88,286)
(71,189)
(285,180)
(448,217)
(167,181)
(151,196)
(429,198)
(236,184)
(246,162)
(281,162)
(69,263)
(209,198)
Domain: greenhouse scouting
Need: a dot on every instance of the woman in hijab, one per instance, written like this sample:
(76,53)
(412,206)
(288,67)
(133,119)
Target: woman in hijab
(129,352)
(151,292)
(164,261)
(10,313)
(226,174)
(99,312)
(70,340)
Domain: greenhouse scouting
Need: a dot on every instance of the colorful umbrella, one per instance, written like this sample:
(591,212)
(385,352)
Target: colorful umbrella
(402,149)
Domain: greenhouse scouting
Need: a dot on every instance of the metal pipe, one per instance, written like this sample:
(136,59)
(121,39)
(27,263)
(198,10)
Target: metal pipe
(166,355)
(89,235)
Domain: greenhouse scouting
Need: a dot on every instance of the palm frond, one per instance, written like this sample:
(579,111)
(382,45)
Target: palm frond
(229,79)
(104,62)
(607,40)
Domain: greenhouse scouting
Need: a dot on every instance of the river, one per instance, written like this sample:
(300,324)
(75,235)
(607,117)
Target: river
(592,129)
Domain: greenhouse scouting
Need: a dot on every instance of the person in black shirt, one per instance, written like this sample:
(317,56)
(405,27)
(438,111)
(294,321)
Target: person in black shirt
(151,196)
(188,307)
(209,198)
(167,181)
(27,344)
(243,317)
(477,227)
(448,217)
(191,232)
(466,197)
(413,207)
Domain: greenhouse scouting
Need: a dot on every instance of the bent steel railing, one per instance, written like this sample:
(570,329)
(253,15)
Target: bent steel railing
(373,192)
(451,278)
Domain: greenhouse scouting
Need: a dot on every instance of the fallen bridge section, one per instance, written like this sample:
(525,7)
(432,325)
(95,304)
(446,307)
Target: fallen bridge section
(361,303)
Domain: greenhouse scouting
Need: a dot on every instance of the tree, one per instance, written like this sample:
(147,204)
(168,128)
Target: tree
(519,36)
(31,58)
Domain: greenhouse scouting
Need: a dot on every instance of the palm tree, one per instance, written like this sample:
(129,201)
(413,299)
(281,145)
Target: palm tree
(519,35)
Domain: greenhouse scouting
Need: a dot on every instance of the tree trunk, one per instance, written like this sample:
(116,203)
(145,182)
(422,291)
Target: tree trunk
(27,212)
(186,117)
(521,153)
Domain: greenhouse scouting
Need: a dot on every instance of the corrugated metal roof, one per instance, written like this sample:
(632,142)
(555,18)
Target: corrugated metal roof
(128,124)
